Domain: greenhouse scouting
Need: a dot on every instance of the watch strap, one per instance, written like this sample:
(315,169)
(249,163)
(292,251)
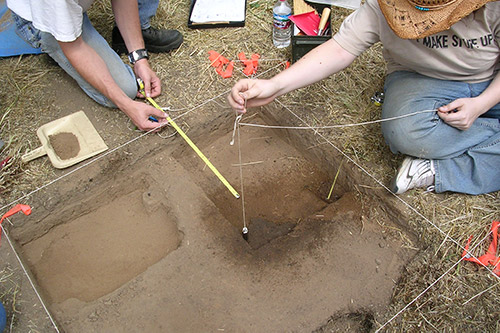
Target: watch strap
(137,55)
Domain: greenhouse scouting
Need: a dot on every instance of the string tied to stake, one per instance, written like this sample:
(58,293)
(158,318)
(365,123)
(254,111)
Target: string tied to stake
(16,209)
(490,257)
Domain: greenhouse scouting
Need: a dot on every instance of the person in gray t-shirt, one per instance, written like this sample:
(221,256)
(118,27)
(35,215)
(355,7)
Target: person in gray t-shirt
(443,85)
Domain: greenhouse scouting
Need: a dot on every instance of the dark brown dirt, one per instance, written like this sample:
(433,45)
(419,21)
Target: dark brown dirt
(65,145)
(148,238)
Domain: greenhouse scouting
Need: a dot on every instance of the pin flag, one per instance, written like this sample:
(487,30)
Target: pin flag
(17,208)
(489,258)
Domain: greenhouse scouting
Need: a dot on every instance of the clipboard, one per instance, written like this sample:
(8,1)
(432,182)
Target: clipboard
(206,14)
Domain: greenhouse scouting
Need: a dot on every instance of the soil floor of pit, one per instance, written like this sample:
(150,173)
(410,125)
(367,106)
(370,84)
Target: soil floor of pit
(147,239)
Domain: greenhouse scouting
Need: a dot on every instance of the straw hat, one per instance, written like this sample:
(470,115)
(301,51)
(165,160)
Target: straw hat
(411,19)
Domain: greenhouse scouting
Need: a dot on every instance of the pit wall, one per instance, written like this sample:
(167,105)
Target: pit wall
(328,159)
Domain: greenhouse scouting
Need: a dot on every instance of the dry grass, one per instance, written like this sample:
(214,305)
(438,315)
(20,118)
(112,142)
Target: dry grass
(19,96)
(10,290)
(465,299)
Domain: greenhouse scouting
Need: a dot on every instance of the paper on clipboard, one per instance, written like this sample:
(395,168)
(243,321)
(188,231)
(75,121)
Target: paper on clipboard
(350,4)
(205,11)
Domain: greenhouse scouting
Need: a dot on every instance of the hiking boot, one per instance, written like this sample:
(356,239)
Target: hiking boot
(155,40)
(413,173)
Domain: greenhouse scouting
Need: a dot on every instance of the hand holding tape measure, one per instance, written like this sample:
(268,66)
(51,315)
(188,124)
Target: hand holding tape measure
(189,142)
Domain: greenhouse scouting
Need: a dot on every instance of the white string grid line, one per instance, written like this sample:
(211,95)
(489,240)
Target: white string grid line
(337,126)
(92,161)
(315,129)
(431,285)
(28,276)
(379,182)
(75,170)
(224,93)
(406,204)
(238,118)
(120,146)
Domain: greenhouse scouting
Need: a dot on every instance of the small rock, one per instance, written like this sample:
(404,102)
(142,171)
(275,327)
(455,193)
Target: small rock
(93,317)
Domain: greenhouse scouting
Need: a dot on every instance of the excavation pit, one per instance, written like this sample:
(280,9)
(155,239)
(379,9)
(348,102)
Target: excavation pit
(150,240)
(265,231)
(94,254)
(280,186)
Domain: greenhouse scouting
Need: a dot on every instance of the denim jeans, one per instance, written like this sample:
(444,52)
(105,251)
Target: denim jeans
(122,74)
(147,9)
(465,161)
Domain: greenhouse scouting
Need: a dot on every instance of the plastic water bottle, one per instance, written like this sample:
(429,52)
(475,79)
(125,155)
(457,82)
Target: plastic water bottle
(282,30)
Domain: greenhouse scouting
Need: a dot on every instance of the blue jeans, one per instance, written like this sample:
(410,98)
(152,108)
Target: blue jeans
(147,9)
(121,73)
(465,161)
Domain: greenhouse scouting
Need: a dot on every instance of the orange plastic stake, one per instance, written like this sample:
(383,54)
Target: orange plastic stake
(255,60)
(249,70)
(228,72)
(242,57)
(490,257)
(17,208)
(224,60)
(218,61)
(215,58)
(250,65)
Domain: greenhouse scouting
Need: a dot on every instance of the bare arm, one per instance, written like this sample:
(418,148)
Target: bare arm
(127,19)
(321,62)
(469,109)
(94,70)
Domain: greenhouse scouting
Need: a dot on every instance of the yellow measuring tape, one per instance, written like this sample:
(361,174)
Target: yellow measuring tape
(191,143)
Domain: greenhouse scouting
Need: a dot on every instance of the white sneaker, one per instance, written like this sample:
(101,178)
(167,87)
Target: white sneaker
(413,173)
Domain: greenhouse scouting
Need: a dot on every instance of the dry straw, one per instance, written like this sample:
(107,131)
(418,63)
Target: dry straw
(464,300)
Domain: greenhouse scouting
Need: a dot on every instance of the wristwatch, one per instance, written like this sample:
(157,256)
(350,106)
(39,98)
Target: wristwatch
(137,55)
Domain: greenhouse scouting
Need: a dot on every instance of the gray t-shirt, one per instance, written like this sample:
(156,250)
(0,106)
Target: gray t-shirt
(469,51)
